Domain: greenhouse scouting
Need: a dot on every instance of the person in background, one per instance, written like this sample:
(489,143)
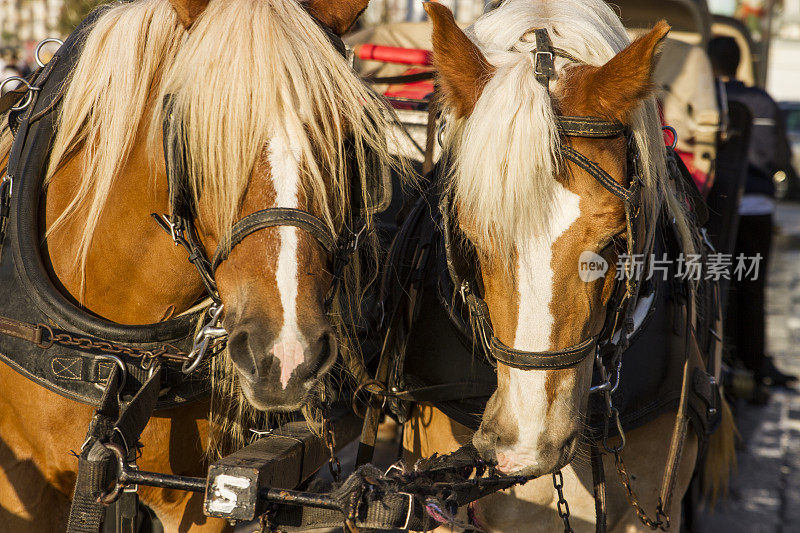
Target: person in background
(769,153)
(20,65)
(8,69)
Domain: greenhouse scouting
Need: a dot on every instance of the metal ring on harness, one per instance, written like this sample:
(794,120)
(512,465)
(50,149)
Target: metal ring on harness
(113,494)
(202,340)
(363,386)
(123,376)
(28,95)
(41,45)
(674,134)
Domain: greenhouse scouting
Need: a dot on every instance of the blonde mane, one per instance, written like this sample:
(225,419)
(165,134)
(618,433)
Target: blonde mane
(247,71)
(505,188)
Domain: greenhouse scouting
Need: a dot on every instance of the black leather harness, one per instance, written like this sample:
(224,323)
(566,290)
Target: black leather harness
(45,335)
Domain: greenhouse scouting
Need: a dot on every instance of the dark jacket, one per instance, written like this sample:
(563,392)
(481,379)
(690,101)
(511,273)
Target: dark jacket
(769,146)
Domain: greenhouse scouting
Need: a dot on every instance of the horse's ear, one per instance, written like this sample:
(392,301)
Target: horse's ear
(339,16)
(615,89)
(188,10)
(463,69)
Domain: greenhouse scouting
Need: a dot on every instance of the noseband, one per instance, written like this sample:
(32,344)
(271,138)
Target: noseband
(580,127)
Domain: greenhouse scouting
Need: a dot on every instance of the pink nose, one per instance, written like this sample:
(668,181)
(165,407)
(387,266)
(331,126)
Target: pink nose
(504,463)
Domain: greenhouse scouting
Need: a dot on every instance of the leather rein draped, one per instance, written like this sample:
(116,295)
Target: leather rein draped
(623,295)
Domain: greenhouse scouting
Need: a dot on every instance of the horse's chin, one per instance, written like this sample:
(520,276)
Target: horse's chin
(519,467)
(271,398)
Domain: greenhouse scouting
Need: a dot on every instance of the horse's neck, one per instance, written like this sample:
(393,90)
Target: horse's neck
(134,272)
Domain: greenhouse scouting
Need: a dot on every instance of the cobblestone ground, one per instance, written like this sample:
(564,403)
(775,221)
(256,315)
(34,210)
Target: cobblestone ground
(765,492)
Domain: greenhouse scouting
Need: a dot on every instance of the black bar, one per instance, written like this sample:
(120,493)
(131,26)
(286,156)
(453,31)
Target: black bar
(165,481)
(295,497)
(198,484)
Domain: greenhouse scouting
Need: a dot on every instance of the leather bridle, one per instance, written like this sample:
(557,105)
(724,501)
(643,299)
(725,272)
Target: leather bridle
(181,227)
(625,293)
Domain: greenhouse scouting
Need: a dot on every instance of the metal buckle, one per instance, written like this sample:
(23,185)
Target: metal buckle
(674,134)
(536,69)
(6,187)
(123,377)
(28,95)
(174,231)
(210,331)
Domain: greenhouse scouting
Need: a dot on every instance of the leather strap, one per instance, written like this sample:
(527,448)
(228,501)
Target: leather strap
(605,179)
(446,392)
(274,217)
(590,127)
(112,424)
(565,358)
(544,58)
(599,488)
(21,330)
(681,425)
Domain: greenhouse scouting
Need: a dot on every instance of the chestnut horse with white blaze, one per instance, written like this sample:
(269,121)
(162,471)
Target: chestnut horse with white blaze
(530,214)
(273,116)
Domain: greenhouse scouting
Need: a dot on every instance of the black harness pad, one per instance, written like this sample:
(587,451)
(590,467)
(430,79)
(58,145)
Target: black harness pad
(441,346)
(29,293)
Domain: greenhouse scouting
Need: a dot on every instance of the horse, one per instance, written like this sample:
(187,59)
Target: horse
(266,113)
(544,103)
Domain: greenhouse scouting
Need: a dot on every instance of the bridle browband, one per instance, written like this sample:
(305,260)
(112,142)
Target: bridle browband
(576,127)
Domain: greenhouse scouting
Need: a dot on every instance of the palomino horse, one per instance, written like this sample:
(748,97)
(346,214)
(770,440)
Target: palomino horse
(271,116)
(529,214)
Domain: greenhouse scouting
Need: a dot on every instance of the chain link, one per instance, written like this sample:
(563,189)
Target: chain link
(662,519)
(562,506)
(146,357)
(334,465)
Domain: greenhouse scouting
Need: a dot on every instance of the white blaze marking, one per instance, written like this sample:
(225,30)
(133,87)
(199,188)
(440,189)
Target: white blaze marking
(526,393)
(284,160)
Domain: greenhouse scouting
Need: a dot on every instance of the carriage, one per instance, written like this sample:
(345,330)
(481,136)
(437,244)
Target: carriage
(269,478)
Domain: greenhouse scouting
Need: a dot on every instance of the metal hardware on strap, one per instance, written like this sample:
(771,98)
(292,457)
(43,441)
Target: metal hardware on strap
(28,94)
(41,45)
(561,504)
(211,331)
(544,61)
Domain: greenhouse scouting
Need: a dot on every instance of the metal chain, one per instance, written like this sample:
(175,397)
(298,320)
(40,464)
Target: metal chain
(147,357)
(329,435)
(330,442)
(562,506)
(662,519)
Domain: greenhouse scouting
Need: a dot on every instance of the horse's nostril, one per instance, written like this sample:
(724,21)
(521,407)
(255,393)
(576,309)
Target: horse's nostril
(239,348)
(485,442)
(323,346)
